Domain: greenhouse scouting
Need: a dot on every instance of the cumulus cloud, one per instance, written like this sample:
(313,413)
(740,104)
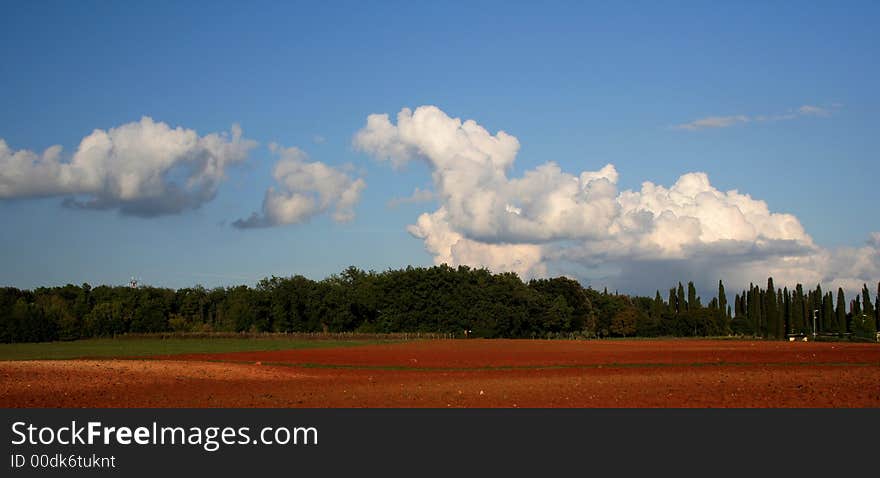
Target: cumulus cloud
(549,221)
(143,168)
(305,188)
(727,121)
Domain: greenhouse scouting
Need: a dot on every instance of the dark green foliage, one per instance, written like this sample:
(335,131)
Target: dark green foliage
(863,321)
(437,299)
(680,305)
(798,311)
(866,301)
(692,297)
(624,322)
(573,295)
(829,321)
(770,308)
(841,312)
(877,308)
(754,309)
(722,300)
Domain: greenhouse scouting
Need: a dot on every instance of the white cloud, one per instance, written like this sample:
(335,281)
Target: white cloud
(143,168)
(549,221)
(808,110)
(305,188)
(727,121)
(417,196)
(714,122)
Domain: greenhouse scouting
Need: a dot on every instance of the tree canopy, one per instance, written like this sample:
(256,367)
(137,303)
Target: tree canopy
(440,299)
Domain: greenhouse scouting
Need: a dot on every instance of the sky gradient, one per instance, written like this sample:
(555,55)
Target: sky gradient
(776,100)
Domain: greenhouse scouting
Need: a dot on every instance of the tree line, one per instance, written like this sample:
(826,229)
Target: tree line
(440,299)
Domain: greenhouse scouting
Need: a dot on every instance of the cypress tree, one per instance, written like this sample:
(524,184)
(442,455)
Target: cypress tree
(841,311)
(682,306)
(877,308)
(866,300)
(780,315)
(863,324)
(786,307)
(761,307)
(828,324)
(722,299)
(759,311)
(812,315)
(657,306)
(797,313)
(752,311)
(808,312)
(770,310)
(692,296)
(877,312)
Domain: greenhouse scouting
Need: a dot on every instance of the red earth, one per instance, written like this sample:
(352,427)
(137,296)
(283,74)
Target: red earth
(467,373)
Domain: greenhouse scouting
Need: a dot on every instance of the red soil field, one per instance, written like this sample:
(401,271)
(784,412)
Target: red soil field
(467,373)
(470,354)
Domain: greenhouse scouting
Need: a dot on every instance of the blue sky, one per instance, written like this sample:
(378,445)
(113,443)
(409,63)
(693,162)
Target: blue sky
(579,84)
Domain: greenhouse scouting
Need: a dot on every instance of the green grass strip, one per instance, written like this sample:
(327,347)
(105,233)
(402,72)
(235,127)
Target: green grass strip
(546,367)
(138,347)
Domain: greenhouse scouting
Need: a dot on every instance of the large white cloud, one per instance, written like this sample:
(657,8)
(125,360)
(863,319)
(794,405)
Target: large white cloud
(305,188)
(549,221)
(143,168)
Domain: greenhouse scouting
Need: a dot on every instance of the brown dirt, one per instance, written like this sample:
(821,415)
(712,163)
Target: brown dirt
(472,373)
(537,353)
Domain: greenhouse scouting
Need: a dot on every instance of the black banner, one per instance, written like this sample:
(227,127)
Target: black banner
(408,442)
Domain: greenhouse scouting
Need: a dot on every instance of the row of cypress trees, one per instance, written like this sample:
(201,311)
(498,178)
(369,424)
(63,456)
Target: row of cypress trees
(777,313)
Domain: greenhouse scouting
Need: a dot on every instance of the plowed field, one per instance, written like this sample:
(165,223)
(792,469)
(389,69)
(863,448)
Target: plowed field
(466,373)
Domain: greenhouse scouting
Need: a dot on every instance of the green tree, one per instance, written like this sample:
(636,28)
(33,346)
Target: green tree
(772,315)
(863,321)
(797,312)
(106,319)
(149,317)
(692,297)
(862,324)
(624,321)
(866,300)
(841,312)
(828,317)
(877,307)
(680,305)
